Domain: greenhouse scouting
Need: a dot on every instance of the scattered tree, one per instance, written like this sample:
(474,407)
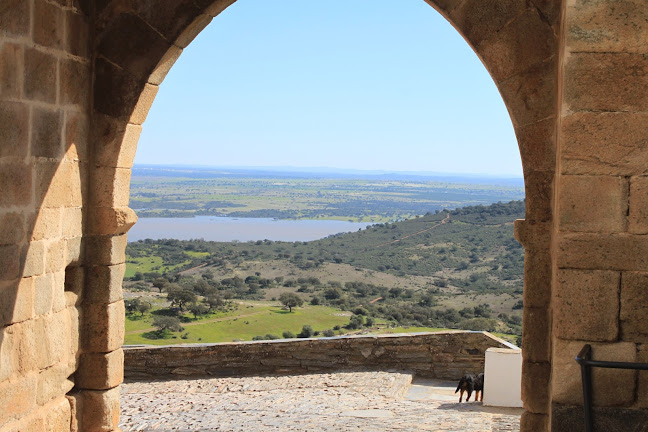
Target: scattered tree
(290,300)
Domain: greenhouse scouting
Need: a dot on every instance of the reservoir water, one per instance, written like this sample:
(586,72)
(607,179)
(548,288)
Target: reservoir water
(238,229)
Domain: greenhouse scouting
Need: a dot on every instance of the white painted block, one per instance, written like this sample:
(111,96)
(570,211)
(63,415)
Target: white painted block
(503,377)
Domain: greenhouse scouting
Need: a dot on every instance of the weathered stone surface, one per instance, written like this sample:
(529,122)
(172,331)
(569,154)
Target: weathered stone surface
(537,142)
(531,422)
(115,91)
(144,104)
(77,41)
(539,192)
(14,126)
(17,301)
(164,65)
(48,24)
(535,335)
(105,283)
(51,350)
(479,20)
(100,410)
(642,379)
(112,186)
(634,306)
(57,415)
(104,327)
(606,82)
(99,371)
(15,184)
(40,76)
(638,212)
(586,305)
(606,143)
(46,133)
(568,418)
(13,231)
(75,143)
(9,262)
(527,41)
(107,250)
(17,396)
(440,355)
(580,210)
(610,387)
(158,13)
(603,251)
(535,386)
(59,184)
(607,26)
(14,18)
(191,31)
(214,8)
(75,85)
(43,288)
(52,383)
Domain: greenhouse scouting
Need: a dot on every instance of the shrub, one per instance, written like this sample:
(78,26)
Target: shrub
(307,331)
(288,334)
(328,333)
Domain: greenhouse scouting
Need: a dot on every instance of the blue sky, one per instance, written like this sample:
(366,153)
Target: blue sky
(362,84)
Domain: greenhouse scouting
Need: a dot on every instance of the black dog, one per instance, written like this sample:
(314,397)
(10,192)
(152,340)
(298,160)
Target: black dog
(469,383)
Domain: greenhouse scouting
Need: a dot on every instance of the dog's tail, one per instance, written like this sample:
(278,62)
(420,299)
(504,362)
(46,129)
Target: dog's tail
(461,381)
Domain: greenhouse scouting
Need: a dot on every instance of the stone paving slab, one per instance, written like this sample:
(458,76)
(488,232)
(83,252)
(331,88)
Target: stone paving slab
(344,401)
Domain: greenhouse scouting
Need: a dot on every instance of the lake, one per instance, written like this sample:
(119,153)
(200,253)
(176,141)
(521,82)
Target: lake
(238,229)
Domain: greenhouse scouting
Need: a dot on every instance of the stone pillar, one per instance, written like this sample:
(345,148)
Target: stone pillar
(601,266)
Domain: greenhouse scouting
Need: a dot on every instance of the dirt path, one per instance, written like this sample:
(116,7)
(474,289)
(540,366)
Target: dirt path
(447,219)
(192,268)
(200,322)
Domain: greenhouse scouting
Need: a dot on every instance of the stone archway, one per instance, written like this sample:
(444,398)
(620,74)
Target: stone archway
(137,44)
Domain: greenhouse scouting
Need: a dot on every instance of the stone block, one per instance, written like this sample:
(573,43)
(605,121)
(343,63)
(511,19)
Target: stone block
(44,293)
(14,125)
(48,24)
(638,212)
(57,415)
(603,251)
(46,133)
(606,82)
(537,278)
(111,186)
(14,18)
(73,250)
(100,410)
(9,262)
(15,184)
(634,306)
(610,387)
(75,337)
(75,83)
(530,96)
(164,65)
(525,42)
(144,104)
(535,386)
(131,43)
(17,301)
(531,422)
(13,228)
(533,235)
(53,336)
(106,250)
(157,12)
(105,283)
(586,305)
(77,41)
(604,143)
(115,90)
(7,354)
(119,145)
(604,26)
(59,184)
(214,8)
(538,186)
(46,224)
(113,221)
(100,371)
(536,335)
(55,260)
(75,143)
(59,301)
(22,339)
(17,397)
(537,143)
(592,203)
(52,383)
(478,20)
(40,76)
(191,31)
(104,327)
(72,219)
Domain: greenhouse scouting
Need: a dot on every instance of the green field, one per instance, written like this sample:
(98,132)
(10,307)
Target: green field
(249,320)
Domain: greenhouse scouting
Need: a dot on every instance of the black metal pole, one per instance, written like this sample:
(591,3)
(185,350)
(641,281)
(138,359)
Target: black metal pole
(586,373)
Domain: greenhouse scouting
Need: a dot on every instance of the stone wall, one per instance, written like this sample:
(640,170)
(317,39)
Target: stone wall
(446,355)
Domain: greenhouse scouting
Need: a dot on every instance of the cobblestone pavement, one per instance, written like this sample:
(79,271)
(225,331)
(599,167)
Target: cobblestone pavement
(344,401)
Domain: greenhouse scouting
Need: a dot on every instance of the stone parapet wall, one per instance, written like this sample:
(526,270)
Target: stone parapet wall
(446,355)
